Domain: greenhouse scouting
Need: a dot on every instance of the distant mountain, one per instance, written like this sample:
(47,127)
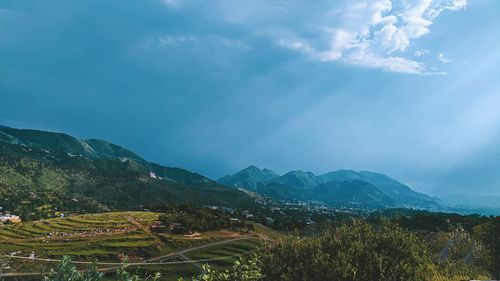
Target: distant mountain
(342,187)
(338,193)
(402,194)
(250,178)
(354,192)
(42,173)
(298,179)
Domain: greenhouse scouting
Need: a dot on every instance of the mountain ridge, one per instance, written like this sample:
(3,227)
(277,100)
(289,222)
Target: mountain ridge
(58,142)
(112,176)
(298,184)
(44,173)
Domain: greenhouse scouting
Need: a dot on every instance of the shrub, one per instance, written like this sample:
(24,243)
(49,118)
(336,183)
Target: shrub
(350,253)
(66,271)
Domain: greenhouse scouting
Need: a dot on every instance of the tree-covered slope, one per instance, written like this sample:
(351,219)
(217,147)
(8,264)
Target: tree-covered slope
(38,181)
(250,178)
(62,144)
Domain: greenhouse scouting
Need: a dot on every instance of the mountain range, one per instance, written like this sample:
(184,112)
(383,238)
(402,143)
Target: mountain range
(42,173)
(342,187)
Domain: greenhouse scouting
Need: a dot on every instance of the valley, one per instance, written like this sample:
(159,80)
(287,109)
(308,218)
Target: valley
(70,203)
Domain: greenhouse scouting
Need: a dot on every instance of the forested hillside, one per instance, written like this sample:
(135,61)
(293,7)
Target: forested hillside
(38,181)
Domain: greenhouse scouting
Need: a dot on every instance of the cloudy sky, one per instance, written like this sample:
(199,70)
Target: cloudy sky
(409,88)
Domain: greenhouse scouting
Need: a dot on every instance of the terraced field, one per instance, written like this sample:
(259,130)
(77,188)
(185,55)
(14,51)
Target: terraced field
(109,237)
(102,236)
(233,250)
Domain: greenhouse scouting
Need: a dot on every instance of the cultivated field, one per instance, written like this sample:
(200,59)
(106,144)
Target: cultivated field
(108,238)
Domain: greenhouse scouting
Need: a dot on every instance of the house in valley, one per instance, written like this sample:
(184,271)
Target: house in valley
(7,216)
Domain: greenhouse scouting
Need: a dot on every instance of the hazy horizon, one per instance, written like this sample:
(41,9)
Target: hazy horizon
(405,88)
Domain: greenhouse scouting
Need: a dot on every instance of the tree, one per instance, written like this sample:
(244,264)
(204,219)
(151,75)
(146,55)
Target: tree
(357,252)
(166,220)
(66,271)
(4,263)
(350,253)
(489,234)
(244,269)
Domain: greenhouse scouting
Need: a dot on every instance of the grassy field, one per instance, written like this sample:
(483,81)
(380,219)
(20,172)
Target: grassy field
(109,237)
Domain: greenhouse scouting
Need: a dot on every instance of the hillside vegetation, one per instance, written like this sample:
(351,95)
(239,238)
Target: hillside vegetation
(45,174)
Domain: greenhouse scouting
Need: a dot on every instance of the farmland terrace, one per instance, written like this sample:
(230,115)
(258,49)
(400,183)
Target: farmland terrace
(33,247)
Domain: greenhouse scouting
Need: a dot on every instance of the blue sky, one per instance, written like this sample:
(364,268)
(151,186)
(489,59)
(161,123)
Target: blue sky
(409,88)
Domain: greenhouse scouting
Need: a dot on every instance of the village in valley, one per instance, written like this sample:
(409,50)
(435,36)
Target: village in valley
(8,218)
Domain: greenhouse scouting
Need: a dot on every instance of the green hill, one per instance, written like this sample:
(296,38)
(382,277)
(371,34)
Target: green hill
(250,178)
(43,173)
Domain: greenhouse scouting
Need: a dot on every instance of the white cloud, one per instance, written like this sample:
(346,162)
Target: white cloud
(419,53)
(296,45)
(388,63)
(370,33)
(379,34)
(443,59)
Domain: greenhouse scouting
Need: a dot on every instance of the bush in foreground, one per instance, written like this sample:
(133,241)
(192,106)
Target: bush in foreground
(350,253)
(66,271)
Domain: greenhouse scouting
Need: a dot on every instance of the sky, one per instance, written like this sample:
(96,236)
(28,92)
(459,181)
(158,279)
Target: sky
(408,88)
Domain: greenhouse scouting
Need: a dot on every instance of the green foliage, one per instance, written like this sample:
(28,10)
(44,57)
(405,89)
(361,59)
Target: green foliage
(350,253)
(66,271)
(427,221)
(4,263)
(353,252)
(103,236)
(453,270)
(243,270)
(489,234)
(123,275)
(38,184)
(188,218)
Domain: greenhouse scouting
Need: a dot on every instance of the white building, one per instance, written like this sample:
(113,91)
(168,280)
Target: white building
(9,217)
